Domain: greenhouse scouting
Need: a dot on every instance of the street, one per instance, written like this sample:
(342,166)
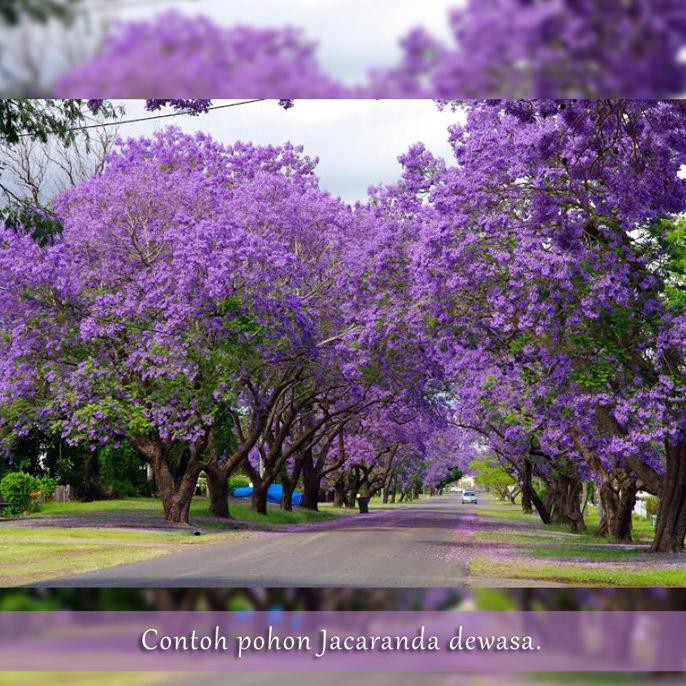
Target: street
(411,546)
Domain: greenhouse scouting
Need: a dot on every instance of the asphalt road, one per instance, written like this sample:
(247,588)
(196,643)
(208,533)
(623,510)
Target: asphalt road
(411,546)
(330,678)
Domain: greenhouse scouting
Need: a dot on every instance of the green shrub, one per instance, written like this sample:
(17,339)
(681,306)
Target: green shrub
(652,506)
(46,487)
(114,489)
(121,473)
(21,491)
(238,481)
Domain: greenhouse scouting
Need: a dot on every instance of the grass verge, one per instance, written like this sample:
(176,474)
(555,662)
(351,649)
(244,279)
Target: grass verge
(109,533)
(585,575)
(108,510)
(643,530)
(79,678)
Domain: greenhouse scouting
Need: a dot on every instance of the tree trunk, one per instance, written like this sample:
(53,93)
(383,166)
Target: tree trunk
(617,493)
(540,507)
(671,517)
(176,497)
(608,507)
(624,521)
(564,503)
(289,482)
(287,498)
(339,493)
(599,504)
(527,488)
(218,490)
(385,496)
(585,497)
(259,498)
(350,499)
(353,488)
(311,485)
(176,482)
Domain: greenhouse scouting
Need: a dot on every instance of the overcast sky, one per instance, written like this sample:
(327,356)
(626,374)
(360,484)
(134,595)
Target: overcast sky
(352,34)
(357,141)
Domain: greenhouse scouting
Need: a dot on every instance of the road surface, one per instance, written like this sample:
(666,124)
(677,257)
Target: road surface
(411,546)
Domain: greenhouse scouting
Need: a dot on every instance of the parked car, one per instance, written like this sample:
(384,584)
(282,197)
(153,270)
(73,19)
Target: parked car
(456,489)
(469,497)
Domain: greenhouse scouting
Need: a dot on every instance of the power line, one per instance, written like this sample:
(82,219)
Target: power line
(181,113)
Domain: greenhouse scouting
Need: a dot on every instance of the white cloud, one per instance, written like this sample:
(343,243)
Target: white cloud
(353,35)
(357,141)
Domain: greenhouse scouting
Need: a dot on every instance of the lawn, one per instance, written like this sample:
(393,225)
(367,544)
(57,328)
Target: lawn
(80,678)
(240,512)
(81,537)
(643,528)
(524,548)
(651,576)
(32,554)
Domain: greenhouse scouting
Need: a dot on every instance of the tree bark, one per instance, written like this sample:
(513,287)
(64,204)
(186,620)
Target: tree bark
(585,497)
(261,480)
(339,492)
(608,507)
(311,484)
(176,482)
(219,468)
(176,497)
(287,488)
(259,498)
(670,530)
(351,498)
(218,490)
(564,503)
(287,497)
(617,493)
(540,507)
(527,488)
(623,527)
(353,484)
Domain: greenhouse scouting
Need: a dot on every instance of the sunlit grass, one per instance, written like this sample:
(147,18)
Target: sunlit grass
(643,529)
(240,512)
(111,534)
(584,575)
(22,564)
(593,554)
(79,678)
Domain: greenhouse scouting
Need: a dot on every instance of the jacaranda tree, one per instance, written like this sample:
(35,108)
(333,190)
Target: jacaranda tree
(167,293)
(543,253)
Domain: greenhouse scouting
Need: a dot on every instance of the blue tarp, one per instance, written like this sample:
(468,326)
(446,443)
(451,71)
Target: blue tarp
(274,494)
